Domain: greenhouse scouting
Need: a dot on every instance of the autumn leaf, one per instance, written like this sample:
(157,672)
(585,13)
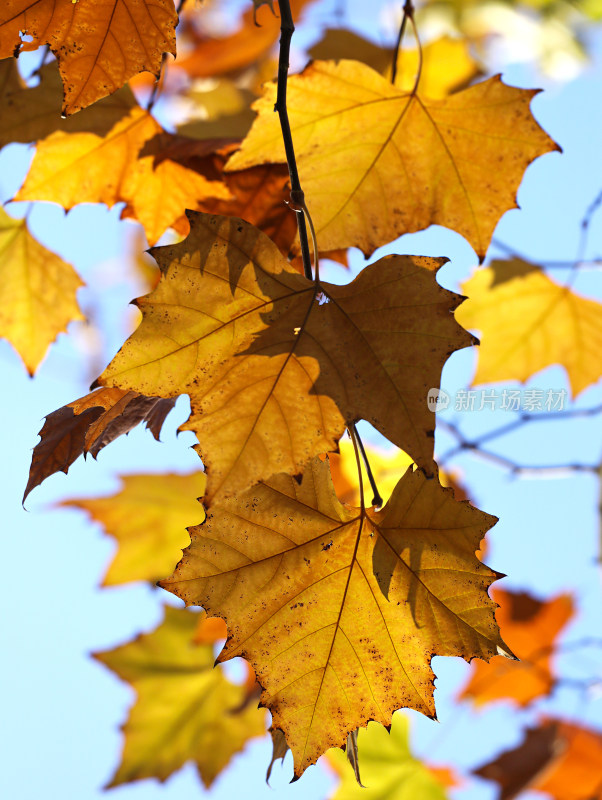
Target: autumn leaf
(446,65)
(148,518)
(89,424)
(256,36)
(185,709)
(434,157)
(231,322)
(544,323)
(85,168)
(530,627)
(291,571)
(387,766)
(98,46)
(37,292)
(29,113)
(559,758)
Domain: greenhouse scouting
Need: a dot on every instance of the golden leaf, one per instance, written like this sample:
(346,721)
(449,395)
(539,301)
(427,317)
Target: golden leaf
(98,46)
(37,292)
(85,168)
(298,579)
(185,709)
(148,518)
(376,162)
(543,323)
(232,324)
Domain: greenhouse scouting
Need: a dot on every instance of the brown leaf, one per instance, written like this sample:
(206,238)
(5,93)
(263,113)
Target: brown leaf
(89,424)
(28,114)
(560,758)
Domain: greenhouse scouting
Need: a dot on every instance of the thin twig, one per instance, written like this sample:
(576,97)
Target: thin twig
(408,13)
(377,499)
(287,28)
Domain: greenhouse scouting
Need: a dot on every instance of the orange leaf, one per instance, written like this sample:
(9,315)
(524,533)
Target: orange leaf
(125,165)
(559,758)
(257,35)
(530,627)
(98,45)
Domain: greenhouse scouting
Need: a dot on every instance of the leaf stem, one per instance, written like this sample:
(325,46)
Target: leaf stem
(287,28)
(357,442)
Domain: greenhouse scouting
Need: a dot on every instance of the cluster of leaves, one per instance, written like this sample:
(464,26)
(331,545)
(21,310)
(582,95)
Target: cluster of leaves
(336,605)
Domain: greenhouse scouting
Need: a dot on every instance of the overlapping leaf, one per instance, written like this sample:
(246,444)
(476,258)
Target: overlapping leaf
(530,627)
(37,292)
(559,758)
(29,113)
(87,168)
(89,424)
(376,162)
(185,709)
(544,323)
(274,364)
(148,518)
(98,46)
(296,576)
(387,767)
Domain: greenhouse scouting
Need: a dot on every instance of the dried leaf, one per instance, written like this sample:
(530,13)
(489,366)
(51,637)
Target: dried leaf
(148,518)
(232,321)
(290,570)
(89,424)
(434,157)
(37,292)
(98,46)
(185,709)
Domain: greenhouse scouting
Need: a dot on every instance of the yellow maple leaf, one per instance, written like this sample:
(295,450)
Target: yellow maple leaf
(148,518)
(447,65)
(98,46)
(231,322)
(543,323)
(86,168)
(300,580)
(185,709)
(387,767)
(376,162)
(37,292)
